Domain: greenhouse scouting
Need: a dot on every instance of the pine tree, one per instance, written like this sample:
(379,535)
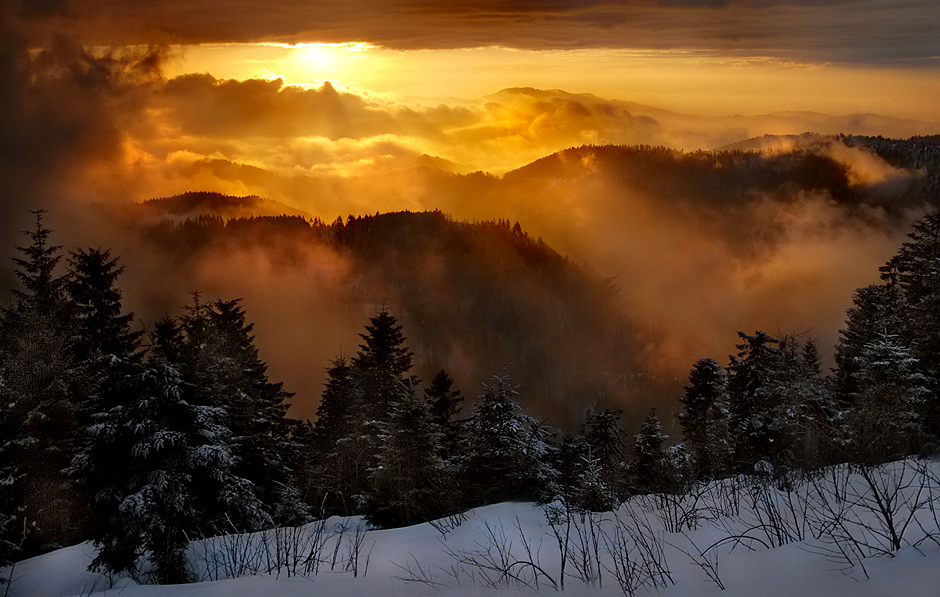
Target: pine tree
(107,357)
(407,483)
(355,408)
(381,364)
(885,421)
(37,400)
(506,452)
(223,366)
(102,466)
(335,469)
(102,329)
(579,480)
(605,439)
(916,270)
(10,509)
(804,415)
(876,309)
(704,420)
(650,470)
(177,480)
(752,400)
(444,404)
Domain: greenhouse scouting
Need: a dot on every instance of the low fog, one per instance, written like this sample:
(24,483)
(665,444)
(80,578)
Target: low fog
(695,255)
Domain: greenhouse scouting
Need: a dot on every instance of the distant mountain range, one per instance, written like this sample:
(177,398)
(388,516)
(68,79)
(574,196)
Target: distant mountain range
(493,297)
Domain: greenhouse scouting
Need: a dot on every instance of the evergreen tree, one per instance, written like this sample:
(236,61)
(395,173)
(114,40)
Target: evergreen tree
(804,415)
(381,364)
(444,404)
(704,420)
(407,483)
(223,366)
(336,470)
(166,343)
(650,470)
(37,400)
(356,407)
(916,270)
(177,482)
(752,399)
(506,452)
(10,509)
(885,421)
(605,439)
(579,480)
(875,310)
(107,357)
(102,329)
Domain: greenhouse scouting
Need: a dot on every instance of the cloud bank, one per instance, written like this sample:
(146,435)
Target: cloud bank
(105,127)
(859,31)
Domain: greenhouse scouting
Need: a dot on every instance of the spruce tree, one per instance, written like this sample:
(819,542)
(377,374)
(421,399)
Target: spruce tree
(650,469)
(177,478)
(605,439)
(506,452)
(335,469)
(885,421)
(444,404)
(103,330)
(379,379)
(875,310)
(579,481)
(916,269)
(381,364)
(752,399)
(704,419)
(407,482)
(107,357)
(38,401)
(224,368)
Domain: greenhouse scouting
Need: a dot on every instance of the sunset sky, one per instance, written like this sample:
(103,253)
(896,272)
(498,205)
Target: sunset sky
(299,87)
(703,56)
(337,108)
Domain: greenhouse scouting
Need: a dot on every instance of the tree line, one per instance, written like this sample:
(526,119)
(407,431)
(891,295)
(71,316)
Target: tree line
(772,404)
(142,442)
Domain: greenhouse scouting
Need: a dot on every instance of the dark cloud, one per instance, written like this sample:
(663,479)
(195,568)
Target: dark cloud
(843,30)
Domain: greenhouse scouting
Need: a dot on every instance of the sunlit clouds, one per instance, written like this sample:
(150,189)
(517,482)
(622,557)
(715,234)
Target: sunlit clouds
(691,81)
(334,108)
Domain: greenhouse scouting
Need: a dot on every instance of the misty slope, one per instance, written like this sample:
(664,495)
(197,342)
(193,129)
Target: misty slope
(475,299)
(707,243)
(700,245)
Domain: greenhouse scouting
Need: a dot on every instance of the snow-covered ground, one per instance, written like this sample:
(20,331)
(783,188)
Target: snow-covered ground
(828,537)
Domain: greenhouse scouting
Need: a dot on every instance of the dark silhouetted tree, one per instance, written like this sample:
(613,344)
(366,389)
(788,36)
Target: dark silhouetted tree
(222,365)
(651,471)
(885,419)
(38,402)
(704,420)
(506,452)
(408,483)
(606,440)
(752,400)
(107,356)
(444,403)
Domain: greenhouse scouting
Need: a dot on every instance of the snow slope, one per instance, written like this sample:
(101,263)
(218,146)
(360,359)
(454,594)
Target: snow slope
(511,548)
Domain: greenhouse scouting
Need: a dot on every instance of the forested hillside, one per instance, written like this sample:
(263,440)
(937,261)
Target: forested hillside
(476,298)
(145,433)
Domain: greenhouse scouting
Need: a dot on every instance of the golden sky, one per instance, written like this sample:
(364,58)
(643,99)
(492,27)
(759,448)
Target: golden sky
(697,82)
(339,107)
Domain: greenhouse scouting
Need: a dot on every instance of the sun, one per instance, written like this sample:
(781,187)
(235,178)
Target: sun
(295,63)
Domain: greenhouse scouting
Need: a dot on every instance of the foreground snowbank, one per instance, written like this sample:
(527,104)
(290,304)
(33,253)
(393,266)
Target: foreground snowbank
(829,536)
